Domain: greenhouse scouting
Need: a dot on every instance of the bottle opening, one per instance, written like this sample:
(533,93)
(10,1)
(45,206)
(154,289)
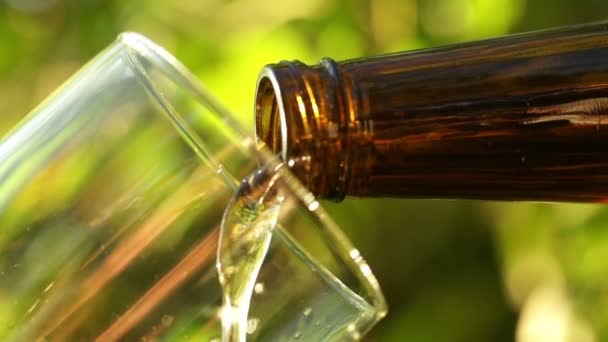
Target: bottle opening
(269,114)
(298,110)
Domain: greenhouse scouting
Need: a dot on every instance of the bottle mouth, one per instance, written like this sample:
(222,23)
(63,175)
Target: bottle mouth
(299,113)
(270,123)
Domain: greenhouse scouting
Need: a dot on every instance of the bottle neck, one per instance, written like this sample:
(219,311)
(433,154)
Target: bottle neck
(312,116)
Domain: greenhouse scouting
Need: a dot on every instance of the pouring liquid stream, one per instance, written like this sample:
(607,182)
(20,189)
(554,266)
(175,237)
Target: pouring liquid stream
(332,311)
(246,232)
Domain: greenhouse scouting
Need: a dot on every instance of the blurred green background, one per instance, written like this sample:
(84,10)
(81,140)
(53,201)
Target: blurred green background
(451,270)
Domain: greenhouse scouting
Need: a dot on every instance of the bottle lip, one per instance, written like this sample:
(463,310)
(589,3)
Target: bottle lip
(269,108)
(300,115)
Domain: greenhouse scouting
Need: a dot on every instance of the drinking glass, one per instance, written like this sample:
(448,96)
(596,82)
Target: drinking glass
(112,194)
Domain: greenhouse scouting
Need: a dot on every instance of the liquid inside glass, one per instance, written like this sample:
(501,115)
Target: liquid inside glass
(247,226)
(251,232)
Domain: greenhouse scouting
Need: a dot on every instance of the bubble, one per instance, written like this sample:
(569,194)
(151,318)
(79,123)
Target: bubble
(354,332)
(313,206)
(258,288)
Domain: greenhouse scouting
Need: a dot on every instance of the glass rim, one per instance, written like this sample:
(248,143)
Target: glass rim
(167,63)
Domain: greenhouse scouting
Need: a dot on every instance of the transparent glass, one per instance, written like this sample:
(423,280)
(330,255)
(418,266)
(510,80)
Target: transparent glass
(111,199)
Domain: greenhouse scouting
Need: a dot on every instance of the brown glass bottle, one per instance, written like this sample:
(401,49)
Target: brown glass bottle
(523,117)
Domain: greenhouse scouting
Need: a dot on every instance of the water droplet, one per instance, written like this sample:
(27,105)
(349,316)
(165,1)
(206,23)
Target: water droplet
(252,325)
(258,288)
(317,323)
(308,312)
(354,332)
(313,206)
(523,159)
(366,270)
(297,335)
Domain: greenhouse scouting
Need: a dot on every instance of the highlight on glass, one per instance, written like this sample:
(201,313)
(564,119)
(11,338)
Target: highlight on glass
(113,193)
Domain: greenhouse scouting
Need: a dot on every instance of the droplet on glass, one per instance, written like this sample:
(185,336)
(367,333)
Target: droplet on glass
(252,325)
(258,288)
(354,332)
